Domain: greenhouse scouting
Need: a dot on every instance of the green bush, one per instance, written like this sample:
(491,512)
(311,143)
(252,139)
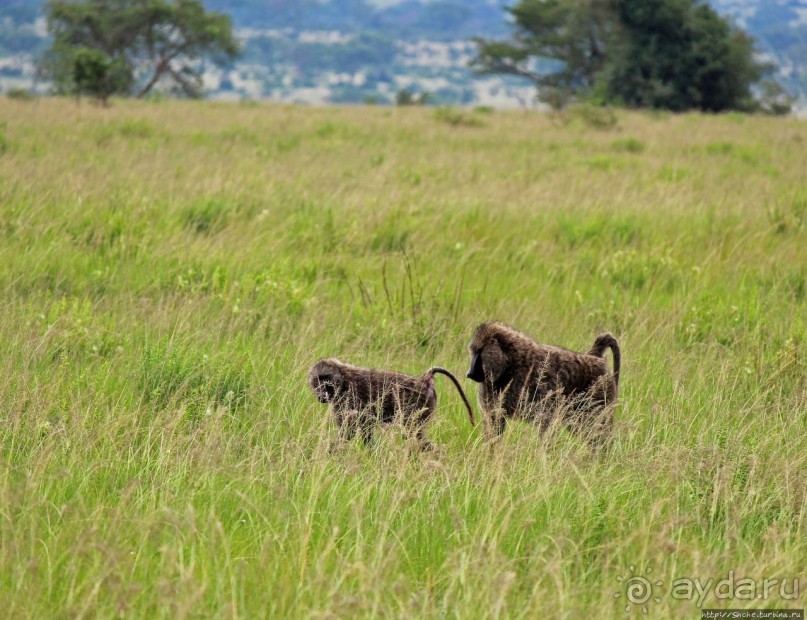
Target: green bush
(179,377)
(456,118)
(206,216)
(20,94)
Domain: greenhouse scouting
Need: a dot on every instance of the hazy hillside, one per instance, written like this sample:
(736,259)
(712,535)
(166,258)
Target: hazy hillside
(409,19)
(780,27)
(359,50)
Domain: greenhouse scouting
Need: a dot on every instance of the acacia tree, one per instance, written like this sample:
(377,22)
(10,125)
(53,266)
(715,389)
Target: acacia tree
(97,75)
(176,36)
(146,42)
(561,46)
(672,54)
(679,55)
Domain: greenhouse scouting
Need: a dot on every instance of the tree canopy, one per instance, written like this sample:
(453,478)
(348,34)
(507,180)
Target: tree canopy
(671,54)
(106,47)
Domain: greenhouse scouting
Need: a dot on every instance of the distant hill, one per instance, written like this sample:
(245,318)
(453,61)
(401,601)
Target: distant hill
(409,19)
(362,50)
(780,28)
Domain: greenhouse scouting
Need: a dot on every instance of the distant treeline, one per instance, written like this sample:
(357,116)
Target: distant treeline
(616,51)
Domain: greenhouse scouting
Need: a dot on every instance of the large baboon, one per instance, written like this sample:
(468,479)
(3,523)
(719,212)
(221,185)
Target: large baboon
(519,378)
(360,398)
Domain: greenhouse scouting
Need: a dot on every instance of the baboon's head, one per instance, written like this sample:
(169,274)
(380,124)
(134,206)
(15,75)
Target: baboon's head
(488,356)
(326,380)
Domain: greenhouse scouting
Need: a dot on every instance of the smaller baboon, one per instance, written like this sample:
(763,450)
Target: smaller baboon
(361,398)
(519,378)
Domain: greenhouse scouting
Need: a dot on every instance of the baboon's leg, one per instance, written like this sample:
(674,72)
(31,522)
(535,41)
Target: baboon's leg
(550,411)
(423,443)
(600,431)
(349,424)
(593,415)
(416,426)
(367,434)
(496,424)
(544,421)
(365,426)
(593,422)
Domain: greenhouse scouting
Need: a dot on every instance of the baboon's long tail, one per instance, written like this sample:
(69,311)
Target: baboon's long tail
(607,341)
(443,371)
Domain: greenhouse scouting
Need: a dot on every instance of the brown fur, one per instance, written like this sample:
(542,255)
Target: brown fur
(360,398)
(519,378)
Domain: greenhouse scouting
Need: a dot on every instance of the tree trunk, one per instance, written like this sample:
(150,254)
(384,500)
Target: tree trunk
(159,70)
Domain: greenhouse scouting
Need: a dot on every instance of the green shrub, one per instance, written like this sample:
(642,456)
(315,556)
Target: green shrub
(627,145)
(206,216)
(5,143)
(596,117)
(20,94)
(456,118)
(170,375)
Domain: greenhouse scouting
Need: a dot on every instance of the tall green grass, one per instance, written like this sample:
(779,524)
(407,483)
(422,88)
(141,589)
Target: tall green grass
(169,272)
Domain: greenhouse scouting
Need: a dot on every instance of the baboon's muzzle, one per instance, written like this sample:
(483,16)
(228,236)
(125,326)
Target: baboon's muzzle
(325,392)
(476,373)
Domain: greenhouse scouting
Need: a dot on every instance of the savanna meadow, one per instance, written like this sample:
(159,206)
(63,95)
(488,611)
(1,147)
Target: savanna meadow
(169,271)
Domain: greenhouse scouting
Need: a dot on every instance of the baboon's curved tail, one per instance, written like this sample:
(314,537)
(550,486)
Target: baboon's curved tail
(443,371)
(607,341)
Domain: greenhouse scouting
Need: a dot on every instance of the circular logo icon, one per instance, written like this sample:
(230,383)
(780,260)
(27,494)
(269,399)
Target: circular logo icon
(637,589)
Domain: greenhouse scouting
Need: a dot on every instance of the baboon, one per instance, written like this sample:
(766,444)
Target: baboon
(360,398)
(519,378)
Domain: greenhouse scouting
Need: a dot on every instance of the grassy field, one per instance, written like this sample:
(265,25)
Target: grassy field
(169,271)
